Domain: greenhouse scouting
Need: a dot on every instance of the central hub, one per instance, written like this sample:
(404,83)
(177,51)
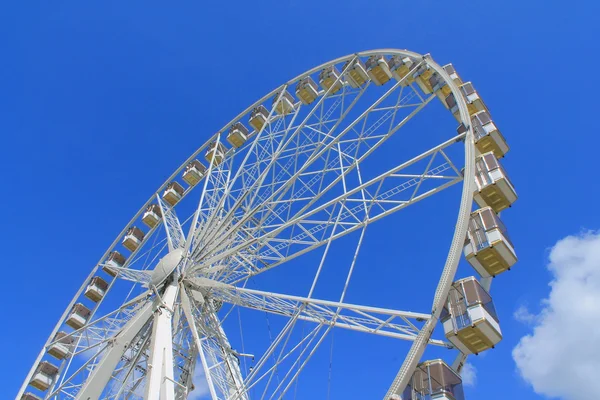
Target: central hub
(166,266)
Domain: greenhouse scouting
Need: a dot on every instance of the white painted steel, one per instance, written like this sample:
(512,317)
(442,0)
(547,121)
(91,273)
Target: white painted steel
(239,230)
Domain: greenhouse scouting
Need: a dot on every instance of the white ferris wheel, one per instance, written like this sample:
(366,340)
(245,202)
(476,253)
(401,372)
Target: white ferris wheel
(286,180)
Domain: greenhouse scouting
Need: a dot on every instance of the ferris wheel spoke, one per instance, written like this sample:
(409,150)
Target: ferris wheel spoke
(102,372)
(218,359)
(316,180)
(173,230)
(373,320)
(312,142)
(385,194)
(344,142)
(251,174)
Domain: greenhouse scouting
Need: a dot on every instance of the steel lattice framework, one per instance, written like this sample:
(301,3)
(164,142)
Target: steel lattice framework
(296,185)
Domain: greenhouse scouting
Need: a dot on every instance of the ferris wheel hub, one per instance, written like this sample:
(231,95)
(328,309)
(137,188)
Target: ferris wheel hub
(166,266)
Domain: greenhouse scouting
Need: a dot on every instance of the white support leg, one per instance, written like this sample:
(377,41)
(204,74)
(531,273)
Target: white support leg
(160,384)
(100,376)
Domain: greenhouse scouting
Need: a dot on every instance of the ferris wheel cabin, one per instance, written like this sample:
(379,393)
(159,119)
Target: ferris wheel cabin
(173,193)
(78,317)
(96,289)
(215,153)
(401,67)
(285,105)
(152,215)
(434,380)
(422,76)
(30,396)
(494,189)
(194,172)
(61,346)
(330,78)
(356,74)
(469,317)
(488,248)
(378,70)
(44,376)
(114,260)
(238,134)
(449,68)
(307,90)
(133,238)
(439,87)
(258,117)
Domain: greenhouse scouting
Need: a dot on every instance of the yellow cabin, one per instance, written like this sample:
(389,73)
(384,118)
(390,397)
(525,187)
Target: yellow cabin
(434,380)
(488,247)
(307,90)
(285,104)
(215,153)
(96,289)
(469,317)
(133,238)
(238,134)
(378,70)
(356,73)
(194,172)
(401,69)
(258,117)
(494,189)
(152,215)
(330,78)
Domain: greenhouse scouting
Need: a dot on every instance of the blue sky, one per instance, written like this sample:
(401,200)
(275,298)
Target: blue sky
(88,91)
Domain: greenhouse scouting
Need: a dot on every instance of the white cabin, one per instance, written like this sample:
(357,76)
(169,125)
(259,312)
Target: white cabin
(173,193)
(469,317)
(258,117)
(133,238)
(330,78)
(115,259)
(434,380)
(194,172)
(78,316)
(152,215)
(44,376)
(488,247)
(378,70)
(96,289)
(61,345)
(238,134)
(356,73)
(494,189)
(449,68)
(401,69)
(307,90)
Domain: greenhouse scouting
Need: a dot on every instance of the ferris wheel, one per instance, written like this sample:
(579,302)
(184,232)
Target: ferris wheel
(285,181)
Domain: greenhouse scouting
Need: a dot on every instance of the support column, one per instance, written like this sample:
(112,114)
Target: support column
(159,384)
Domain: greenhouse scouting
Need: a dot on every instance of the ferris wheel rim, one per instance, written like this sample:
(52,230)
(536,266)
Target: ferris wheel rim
(467,196)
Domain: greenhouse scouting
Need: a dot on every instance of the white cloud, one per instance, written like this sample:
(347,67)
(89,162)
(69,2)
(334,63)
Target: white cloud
(523,315)
(561,357)
(469,374)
